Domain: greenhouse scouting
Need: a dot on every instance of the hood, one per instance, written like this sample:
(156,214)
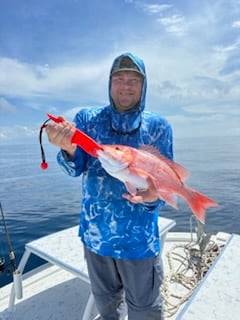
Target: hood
(130,121)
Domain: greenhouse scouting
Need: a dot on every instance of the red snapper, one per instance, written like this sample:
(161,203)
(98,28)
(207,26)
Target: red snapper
(133,166)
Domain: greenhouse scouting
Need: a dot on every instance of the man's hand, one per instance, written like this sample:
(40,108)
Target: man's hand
(149,195)
(60,134)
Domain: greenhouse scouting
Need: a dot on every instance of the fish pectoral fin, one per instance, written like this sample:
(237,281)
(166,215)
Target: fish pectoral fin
(140,172)
(130,188)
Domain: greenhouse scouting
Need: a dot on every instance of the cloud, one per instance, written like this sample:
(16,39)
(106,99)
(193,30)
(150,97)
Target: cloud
(7,107)
(219,109)
(194,89)
(155,8)
(16,78)
(191,52)
(70,113)
(231,64)
(175,24)
(17,131)
(167,16)
(204,125)
(65,81)
(236,24)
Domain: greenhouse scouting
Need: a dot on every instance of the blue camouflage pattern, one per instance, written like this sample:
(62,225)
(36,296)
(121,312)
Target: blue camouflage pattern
(109,224)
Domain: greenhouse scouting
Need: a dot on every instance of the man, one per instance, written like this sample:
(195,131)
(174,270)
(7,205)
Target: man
(119,231)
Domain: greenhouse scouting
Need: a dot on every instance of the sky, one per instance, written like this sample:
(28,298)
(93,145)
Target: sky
(55,56)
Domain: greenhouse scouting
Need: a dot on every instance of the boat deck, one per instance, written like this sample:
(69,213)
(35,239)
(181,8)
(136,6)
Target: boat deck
(58,294)
(51,293)
(218,295)
(65,250)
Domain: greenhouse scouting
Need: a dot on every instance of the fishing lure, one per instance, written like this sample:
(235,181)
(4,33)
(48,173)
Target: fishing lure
(79,138)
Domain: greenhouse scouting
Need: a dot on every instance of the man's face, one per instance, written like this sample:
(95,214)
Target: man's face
(126,88)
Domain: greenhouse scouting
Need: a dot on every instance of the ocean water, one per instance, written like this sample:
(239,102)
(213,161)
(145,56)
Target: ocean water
(37,202)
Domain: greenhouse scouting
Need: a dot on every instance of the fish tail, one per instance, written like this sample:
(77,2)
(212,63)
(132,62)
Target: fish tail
(199,203)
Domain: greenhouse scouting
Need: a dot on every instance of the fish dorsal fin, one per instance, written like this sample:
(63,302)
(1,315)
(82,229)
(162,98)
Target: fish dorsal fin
(182,172)
(150,149)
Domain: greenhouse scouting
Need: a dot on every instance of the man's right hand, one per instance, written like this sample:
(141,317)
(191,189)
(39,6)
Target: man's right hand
(60,134)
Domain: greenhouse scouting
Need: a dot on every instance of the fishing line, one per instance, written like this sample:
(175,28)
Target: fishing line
(11,252)
(16,273)
(2,260)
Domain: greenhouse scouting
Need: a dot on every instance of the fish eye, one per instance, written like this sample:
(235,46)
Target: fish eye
(117,148)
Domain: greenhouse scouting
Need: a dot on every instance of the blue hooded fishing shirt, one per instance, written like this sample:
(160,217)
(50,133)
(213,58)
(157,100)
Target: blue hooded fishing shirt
(109,224)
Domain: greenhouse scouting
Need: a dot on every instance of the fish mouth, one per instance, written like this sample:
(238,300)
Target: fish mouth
(109,163)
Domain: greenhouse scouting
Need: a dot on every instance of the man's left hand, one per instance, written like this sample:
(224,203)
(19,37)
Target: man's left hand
(149,195)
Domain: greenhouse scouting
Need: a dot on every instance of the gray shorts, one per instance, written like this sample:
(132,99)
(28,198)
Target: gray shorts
(136,282)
